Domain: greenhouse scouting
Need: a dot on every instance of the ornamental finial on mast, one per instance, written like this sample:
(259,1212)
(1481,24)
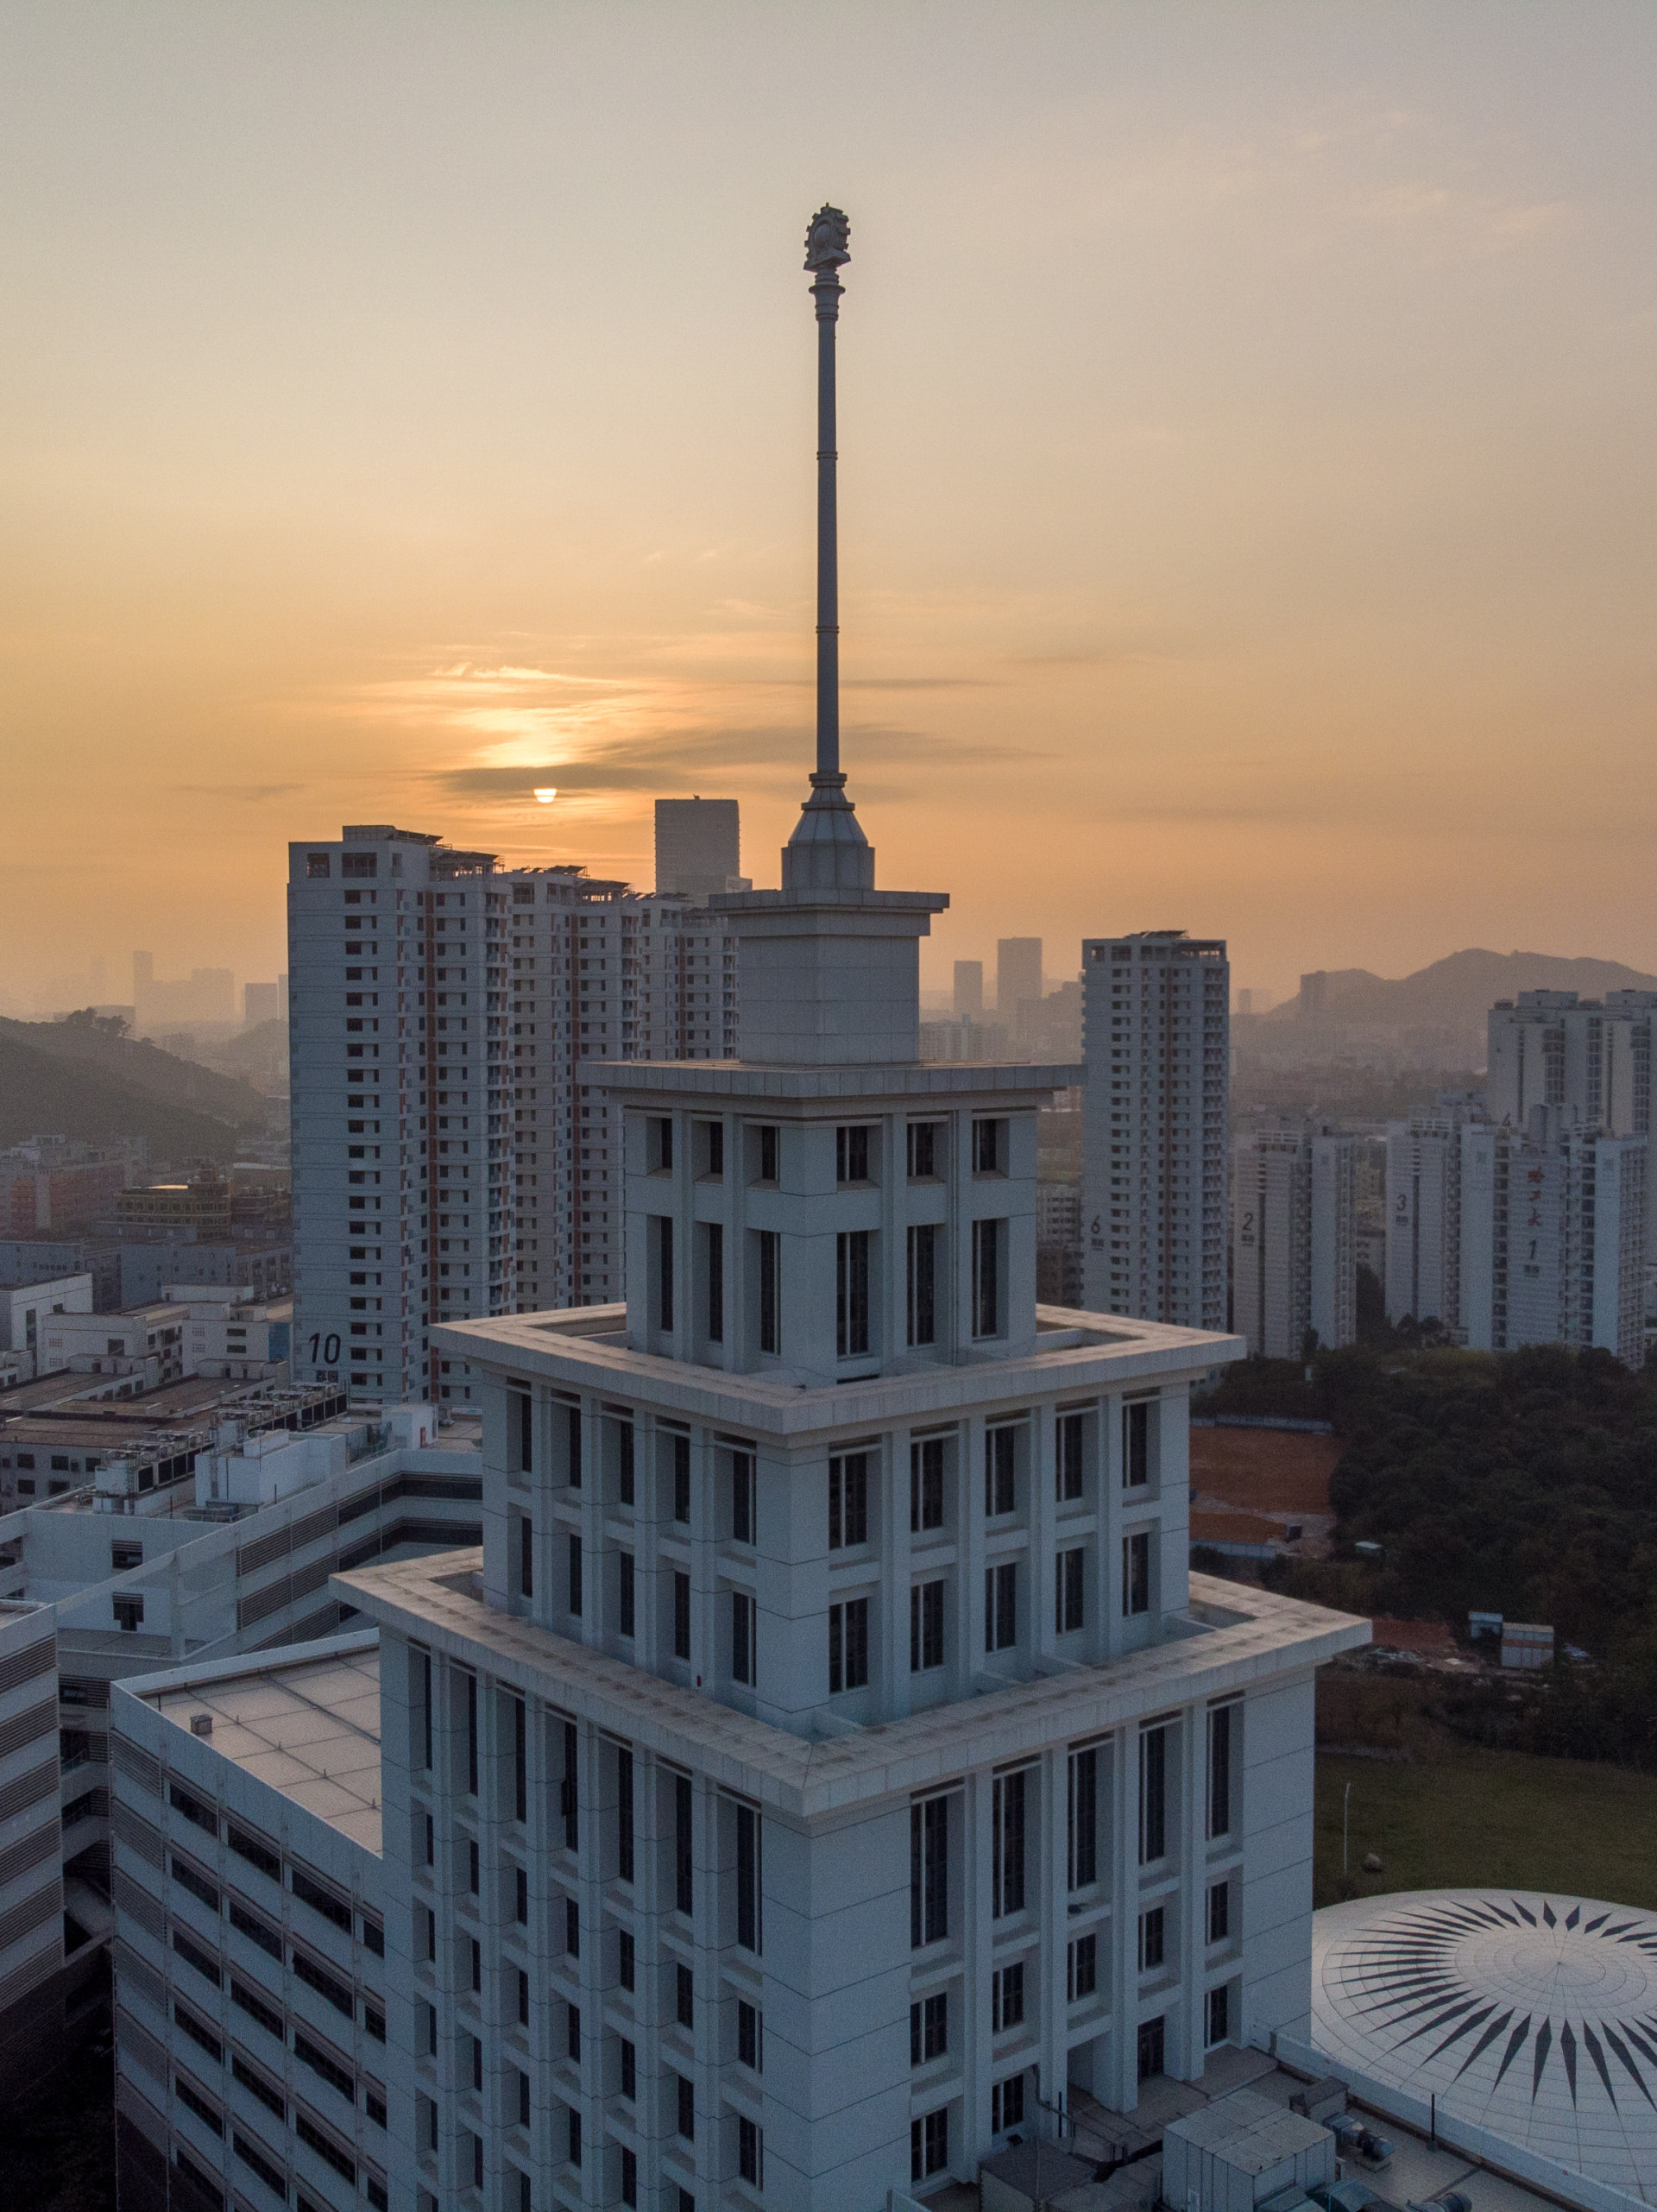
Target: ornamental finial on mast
(828,241)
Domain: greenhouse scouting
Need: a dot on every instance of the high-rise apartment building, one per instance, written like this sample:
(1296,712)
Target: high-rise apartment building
(1156,1030)
(1293,1240)
(1017,978)
(1424,1214)
(447,1161)
(698,846)
(969,990)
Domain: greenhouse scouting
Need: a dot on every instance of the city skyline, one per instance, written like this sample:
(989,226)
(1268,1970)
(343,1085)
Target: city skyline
(1293,595)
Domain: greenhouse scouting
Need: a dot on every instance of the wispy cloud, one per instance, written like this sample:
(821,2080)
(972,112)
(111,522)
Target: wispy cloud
(254,793)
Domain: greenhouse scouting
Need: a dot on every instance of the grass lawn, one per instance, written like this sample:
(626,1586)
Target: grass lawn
(1461,1818)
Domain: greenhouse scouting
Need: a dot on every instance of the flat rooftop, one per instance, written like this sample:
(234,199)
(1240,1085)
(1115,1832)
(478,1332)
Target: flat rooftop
(309,1730)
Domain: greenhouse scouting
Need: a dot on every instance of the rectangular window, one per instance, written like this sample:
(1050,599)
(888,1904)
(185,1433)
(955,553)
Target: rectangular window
(257,2085)
(572,2134)
(929,2144)
(1007,1998)
(770,1291)
(714,1234)
(204,2112)
(1007,2104)
(989,1147)
(1220,1911)
(851,1293)
(685,1996)
(256,1930)
(1007,1845)
(576,1593)
(1001,1472)
(1067,1591)
(929,2028)
(1219,2015)
(624,1463)
(682,1479)
(768,1149)
(572,1927)
(1153,1937)
(928,1871)
(681,1615)
(848,1646)
(520,1761)
(522,1421)
(923,1283)
(684,1856)
(1136,1446)
(742,1637)
(925,1626)
(629,2069)
(572,2033)
(1153,1795)
(1081,1968)
(1136,1575)
(568,1788)
(986,1278)
(520,1896)
(572,1426)
(1070,1444)
(852,1154)
(624,1815)
(685,2098)
(751,2152)
(750,2036)
(923,1149)
(714,1138)
(1219,1770)
(1001,1606)
(664,1272)
(848,1501)
(926,1484)
(1081,1808)
(471,1734)
(625,1598)
(662,1149)
(193,1955)
(744,1515)
(525,1557)
(750,1926)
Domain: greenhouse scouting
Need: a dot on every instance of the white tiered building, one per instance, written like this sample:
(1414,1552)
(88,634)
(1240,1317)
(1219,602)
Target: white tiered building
(827,1768)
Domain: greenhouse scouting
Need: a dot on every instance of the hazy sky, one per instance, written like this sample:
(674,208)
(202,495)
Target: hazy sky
(1247,480)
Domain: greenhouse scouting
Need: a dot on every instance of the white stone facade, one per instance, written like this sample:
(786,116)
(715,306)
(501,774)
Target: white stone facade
(1293,1240)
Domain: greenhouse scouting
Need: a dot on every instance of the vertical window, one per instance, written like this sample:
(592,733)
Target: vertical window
(923,1146)
(716,1140)
(1007,2104)
(624,1815)
(629,2158)
(683,1877)
(1219,2015)
(750,2036)
(1007,1845)
(1136,1445)
(471,1734)
(852,1154)
(1220,1911)
(852,1292)
(572,1415)
(576,1595)
(986,1272)
(770,1291)
(526,1557)
(520,1761)
(1153,2041)
(425,1709)
(624,1463)
(1067,1591)
(928,1871)
(750,1928)
(742,1637)
(664,1145)
(925,1626)
(572,1928)
(520,1896)
(989,1147)
(848,1646)
(629,2069)
(1001,1606)
(1219,1770)
(626,1614)
(768,1135)
(521,1421)
(714,1233)
(1082,1806)
(751,2152)
(1007,1998)
(929,2144)
(1001,1472)
(743,1514)
(569,1789)
(1069,1441)
(682,1478)
(1153,1795)
(923,1282)
(665,1271)
(848,1501)
(686,2099)
(929,2028)
(681,1615)
(1136,1574)
(1153,1939)
(573,2132)
(1081,1968)
(685,1996)
(926,1484)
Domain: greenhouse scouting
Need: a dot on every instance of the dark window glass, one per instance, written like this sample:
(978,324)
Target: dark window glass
(1069,1441)
(684,1848)
(685,1996)
(1153,1795)
(714,1235)
(681,1615)
(989,1147)
(568,1788)
(685,2100)
(682,1478)
(1081,1968)
(624,1462)
(572,1421)
(624,1831)
(1219,1771)
(1153,1932)
(851,1293)
(1001,1472)
(1001,1606)
(521,1421)
(770,1291)
(852,1154)
(749,1923)
(1136,1445)
(627,1620)
(848,1646)
(986,1278)
(1007,1845)
(256,1851)
(1067,1591)
(577,1597)
(768,1148)
(1007,1997)
(664,1272)
(926,1484)
(1136,1575)
(526,1556)
(1220,1911)
(923,1283)
(744,1515)
(749,2032)
(925,1626)
(849,1500)
(923,1149)
(928,1871)
(471,1734)
(1081,1855)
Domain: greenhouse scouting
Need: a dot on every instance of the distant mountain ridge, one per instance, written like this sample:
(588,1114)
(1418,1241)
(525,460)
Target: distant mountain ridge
(1460,989)
(137,1066)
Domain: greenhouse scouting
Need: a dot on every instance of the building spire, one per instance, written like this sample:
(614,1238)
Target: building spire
(828,849)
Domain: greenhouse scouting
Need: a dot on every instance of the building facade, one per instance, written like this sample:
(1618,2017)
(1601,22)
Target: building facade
(698,846)
(1293,1240)
(1156,1038)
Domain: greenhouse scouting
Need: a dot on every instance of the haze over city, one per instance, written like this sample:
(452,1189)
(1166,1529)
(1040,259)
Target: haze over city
(1247,458)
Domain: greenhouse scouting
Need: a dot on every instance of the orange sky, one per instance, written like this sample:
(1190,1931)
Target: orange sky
(1247,493)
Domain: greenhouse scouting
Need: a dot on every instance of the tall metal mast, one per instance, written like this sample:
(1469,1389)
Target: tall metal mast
(825,254)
